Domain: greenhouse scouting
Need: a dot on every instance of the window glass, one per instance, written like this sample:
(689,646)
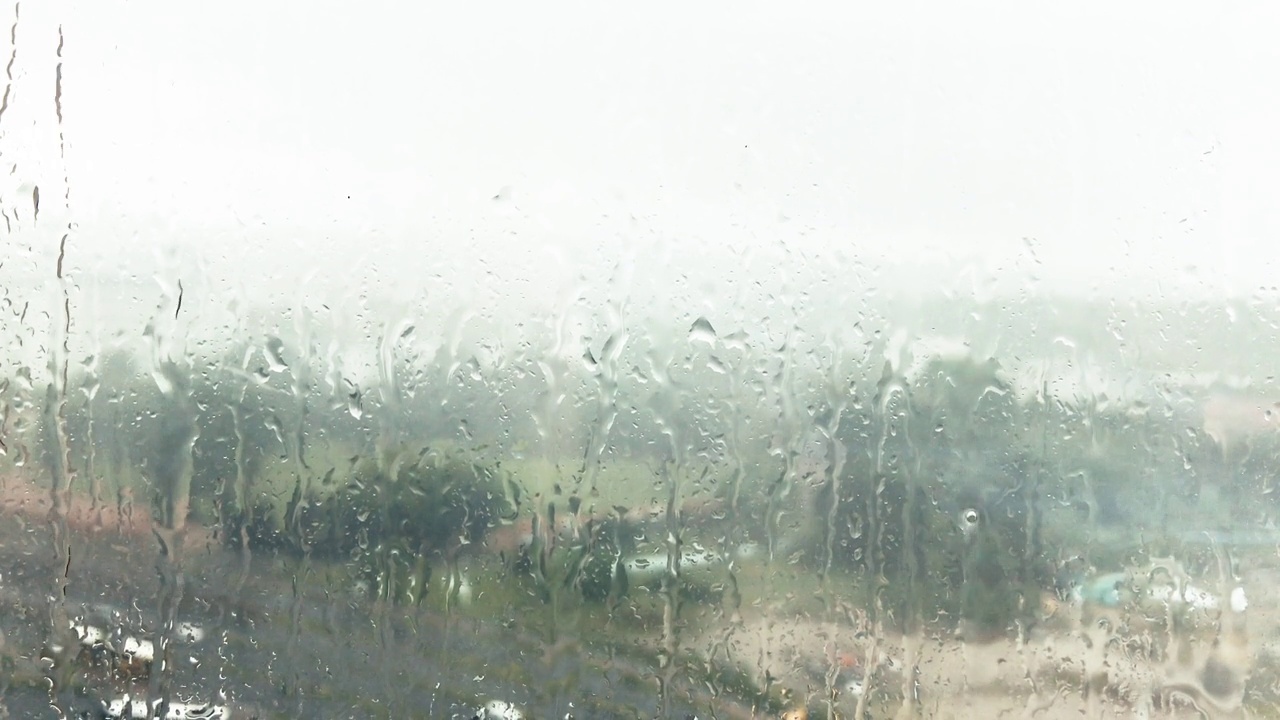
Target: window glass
(562,359)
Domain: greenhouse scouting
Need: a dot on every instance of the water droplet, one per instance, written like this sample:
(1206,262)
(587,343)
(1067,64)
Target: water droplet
(276,426)
(274,350)
(90,388)
(353,404)
(701,331)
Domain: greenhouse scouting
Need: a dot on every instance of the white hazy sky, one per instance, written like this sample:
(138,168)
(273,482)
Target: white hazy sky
(1087,144)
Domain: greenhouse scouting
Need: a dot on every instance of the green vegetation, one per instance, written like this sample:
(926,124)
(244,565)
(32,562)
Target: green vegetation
(390,519)
(931,497)
(276,460)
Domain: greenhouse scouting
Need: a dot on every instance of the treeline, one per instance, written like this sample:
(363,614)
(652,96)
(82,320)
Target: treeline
(955,495)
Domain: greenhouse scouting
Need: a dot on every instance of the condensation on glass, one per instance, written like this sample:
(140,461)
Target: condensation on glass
(305,414)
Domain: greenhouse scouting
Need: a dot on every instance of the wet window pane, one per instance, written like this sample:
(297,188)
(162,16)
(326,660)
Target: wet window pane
(568,361)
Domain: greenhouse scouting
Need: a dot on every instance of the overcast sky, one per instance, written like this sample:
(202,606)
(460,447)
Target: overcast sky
(1092,146)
